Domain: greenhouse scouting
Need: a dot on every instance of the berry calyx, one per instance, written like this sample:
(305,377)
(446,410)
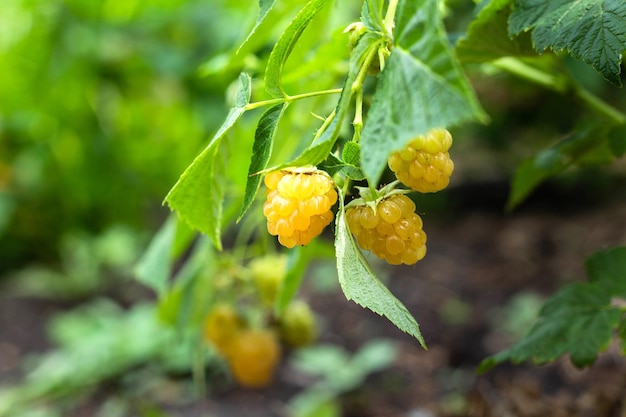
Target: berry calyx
(254,358)
(389,228)
(298,204)
(424,164)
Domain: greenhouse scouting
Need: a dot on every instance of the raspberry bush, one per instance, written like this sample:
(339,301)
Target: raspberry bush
(346,114)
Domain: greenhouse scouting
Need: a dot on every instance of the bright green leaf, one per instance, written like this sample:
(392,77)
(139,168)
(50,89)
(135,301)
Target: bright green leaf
(593,31)
(372,15)
(360,284)
(322,146)
(199,193)
(265,6)
(421,87)
(577,320)
(261,152)
(488,38)
(285,44)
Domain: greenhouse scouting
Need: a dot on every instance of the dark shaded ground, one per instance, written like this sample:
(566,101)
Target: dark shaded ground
(478,260)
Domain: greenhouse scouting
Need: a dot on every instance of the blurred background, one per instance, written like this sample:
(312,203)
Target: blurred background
(104,104)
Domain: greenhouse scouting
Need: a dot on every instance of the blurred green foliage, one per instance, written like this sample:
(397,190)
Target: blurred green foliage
(102,108)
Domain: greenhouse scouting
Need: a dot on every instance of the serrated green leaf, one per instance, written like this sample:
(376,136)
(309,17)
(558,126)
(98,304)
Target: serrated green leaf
(422,87)
(593,31)
(608,269)
(359,283)
(553,160)
(333,165)
(577,320)
(488,39)
(285,44)
(261,152)
(265,6)
(198,194)
(351,153)
(372,15)
(322,146)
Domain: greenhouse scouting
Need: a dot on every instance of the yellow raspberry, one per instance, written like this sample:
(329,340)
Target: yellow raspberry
(254,358)
(221,327)
(424,164)
(393,232)
(298,204)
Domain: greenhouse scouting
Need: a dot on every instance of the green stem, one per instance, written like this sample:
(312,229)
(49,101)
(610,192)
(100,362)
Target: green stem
(532,74)
(599,106)
(289,99)
(559,85)
(324,125)
(358,116)
(390,16)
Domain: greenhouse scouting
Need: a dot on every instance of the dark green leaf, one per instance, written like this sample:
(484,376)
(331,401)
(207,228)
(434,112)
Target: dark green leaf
(577,320)
(334,165)
(199,193)
(608,269)
(593,31)
(361,285)
(261,152)
(488,39)
(285,44)
(421,87)
(617,141)
(551,161)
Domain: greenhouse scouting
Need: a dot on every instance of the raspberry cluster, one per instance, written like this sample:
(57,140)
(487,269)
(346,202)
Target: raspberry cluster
(424,164)
(393,231)
(298,204)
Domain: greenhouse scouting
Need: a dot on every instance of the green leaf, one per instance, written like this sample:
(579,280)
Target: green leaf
(322,146)
(372,15)
(577,320)
(593,31)
(608,269)
(261,152)
(154,267)
(285,44)
(351,153)
(265,6)
(617,141)
(199,193)
(488,39)
(333,165)
(421,87)
(361,285)
(553,160)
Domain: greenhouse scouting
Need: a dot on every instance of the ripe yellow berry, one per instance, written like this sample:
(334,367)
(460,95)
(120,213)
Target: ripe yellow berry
(221,328)
(424,164)
(393,233)
(298,204)
(254,358)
